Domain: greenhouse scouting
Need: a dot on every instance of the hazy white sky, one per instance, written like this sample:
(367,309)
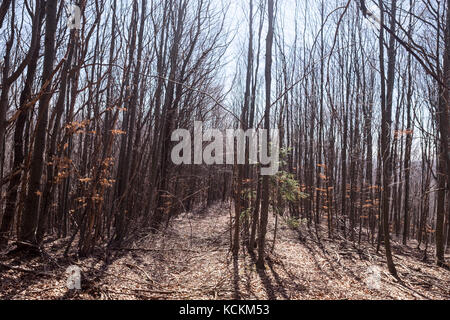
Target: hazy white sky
(288,11)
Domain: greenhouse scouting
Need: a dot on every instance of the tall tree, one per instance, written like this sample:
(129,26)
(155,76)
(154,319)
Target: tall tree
(265,179)
(25,97)
(387,87)
(30,218)
(444,140)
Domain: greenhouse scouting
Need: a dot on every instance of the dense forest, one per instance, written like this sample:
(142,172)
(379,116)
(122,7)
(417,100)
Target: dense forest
(93,90)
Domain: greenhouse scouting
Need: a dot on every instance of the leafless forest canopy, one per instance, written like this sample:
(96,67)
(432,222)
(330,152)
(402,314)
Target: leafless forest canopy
(359,91)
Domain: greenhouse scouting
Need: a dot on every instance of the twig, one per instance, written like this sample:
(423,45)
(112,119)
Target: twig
(129,265)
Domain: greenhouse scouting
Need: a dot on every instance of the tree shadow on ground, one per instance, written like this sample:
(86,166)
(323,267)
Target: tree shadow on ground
(236,279)
(280,284)
(265,280)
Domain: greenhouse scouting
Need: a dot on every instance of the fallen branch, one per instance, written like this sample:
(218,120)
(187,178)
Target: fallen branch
(129,265)
(154,250)
(25,270)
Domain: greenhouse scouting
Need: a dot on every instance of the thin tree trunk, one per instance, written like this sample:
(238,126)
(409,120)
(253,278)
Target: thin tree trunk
(265,178)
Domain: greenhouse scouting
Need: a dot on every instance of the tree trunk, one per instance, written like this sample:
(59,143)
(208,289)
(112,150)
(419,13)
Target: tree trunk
(30,216)
(265,178)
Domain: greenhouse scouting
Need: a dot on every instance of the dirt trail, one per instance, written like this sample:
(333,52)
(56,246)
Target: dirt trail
(191,260)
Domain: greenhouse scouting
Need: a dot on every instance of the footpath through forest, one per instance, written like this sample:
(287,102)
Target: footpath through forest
(191,260)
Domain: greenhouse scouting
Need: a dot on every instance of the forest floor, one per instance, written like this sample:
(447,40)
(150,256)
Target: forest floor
(191,260)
